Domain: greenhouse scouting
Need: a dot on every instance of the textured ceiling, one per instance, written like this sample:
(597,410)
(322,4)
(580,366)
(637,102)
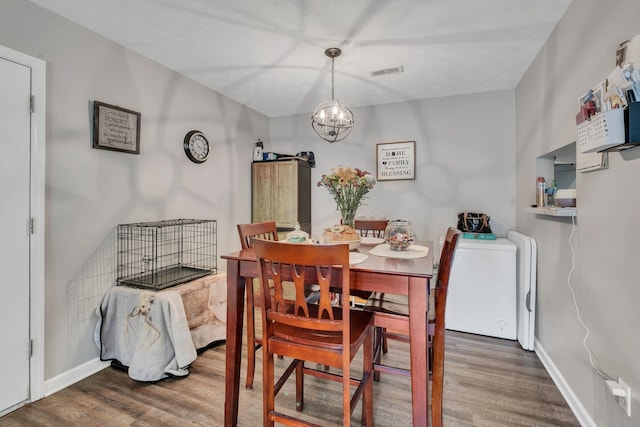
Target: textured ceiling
(269,54)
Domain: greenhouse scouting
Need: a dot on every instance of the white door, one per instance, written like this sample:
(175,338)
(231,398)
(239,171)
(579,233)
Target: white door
(15,128)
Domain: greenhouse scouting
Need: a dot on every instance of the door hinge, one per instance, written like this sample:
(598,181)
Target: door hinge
(32,103)
(30,348)
(31,225)
(528,304)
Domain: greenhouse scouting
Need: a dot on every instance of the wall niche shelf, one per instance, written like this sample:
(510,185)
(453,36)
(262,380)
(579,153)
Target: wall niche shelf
(567,212)
(559,165)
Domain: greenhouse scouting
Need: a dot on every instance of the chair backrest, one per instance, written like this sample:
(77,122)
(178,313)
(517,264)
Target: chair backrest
(324,265)
(261,230)
(375,226)
(444,270)
(442,285)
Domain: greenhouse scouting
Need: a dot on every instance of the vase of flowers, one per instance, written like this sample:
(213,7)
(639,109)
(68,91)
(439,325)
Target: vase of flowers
(348,186)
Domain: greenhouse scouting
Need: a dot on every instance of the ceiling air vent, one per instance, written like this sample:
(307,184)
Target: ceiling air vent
(385,71)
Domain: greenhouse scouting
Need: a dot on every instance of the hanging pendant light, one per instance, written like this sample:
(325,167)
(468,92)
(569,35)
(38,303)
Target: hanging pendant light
(331,120)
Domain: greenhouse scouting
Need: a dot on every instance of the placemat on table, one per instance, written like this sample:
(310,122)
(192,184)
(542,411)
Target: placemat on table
(356,258)
(413,251)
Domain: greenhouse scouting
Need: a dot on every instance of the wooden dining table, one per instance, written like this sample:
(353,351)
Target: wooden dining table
(390,275)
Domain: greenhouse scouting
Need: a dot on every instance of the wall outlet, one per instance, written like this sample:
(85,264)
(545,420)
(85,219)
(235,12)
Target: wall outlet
(625,401)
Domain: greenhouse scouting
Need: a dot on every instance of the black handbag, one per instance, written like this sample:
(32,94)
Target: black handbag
(470,222)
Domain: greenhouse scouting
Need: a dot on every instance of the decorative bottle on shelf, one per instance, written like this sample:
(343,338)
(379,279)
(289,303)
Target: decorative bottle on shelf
(551,194)
(257,151)
(540,194)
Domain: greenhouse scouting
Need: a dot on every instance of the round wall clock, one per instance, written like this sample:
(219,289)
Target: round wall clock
(196,146)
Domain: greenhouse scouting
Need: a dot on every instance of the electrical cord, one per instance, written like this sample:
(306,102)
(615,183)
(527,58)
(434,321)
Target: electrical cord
(575,303)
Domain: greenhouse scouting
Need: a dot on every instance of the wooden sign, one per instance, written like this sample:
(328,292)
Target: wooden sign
(396,160)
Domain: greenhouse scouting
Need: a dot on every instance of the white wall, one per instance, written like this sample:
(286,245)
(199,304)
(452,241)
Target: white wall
(577,56)
(90,191)
(464,160)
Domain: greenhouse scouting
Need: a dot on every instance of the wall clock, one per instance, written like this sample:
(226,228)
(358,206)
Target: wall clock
(196,146)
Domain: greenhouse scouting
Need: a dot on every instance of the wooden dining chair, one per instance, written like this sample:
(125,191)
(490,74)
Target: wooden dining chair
(392,322)
(365,228)
(374,226)
(318,333)
(248,232)
(437,337)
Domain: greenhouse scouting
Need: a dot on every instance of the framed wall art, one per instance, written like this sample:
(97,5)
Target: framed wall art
(115,128)
(396,160)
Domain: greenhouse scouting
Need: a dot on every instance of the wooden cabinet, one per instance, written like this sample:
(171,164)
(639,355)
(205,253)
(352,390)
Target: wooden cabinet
(281,192)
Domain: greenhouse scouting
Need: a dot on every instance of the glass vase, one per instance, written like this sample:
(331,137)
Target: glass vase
(399,235)
(348,218)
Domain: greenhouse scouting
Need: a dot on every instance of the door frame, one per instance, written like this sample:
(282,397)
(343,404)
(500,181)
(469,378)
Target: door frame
(37,212)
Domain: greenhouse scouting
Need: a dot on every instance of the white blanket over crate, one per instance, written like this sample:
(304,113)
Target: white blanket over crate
(156,333)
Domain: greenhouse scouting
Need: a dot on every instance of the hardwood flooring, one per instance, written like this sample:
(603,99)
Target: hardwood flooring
(488,382)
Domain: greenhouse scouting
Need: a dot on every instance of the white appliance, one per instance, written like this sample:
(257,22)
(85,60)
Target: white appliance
(482,288)
(526,262)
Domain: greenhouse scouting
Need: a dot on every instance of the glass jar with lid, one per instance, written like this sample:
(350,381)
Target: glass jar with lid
(298,236)
(399,235)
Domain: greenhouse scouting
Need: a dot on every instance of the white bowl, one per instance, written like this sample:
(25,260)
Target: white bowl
(568,193)
(566,198)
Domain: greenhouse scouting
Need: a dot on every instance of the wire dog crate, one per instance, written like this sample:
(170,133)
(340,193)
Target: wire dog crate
(162,254)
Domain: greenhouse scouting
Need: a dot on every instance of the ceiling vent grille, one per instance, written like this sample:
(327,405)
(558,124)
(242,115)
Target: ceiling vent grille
(385,71)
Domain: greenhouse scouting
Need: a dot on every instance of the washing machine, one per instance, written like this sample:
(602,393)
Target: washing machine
(482,288)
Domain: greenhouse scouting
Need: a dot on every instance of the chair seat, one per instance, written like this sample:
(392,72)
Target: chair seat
(396,305)
(360,321)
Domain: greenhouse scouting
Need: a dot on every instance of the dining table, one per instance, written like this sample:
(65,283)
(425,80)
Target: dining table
(391,274)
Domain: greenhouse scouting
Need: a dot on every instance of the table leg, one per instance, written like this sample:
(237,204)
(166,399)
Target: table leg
(418,296)
(235,311)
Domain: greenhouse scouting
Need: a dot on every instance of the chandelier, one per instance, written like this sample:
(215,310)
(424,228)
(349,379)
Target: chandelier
(331,120)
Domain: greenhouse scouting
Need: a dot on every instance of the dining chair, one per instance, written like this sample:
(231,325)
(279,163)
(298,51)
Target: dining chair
(375,226)
(393,304)
(318,333)
(365,226)
(437,342)
(248,232)
(392,322)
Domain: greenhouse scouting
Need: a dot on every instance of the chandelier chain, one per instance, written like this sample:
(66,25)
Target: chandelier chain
(332,74)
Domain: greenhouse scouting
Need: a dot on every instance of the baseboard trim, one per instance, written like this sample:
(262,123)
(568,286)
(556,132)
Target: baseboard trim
(74,375)
(574,403)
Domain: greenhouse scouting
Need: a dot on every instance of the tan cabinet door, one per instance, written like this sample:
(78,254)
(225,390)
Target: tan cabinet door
(286,194)
(275,192)
(262,197)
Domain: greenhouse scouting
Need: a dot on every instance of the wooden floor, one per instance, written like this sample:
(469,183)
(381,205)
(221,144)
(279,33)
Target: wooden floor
(488,382)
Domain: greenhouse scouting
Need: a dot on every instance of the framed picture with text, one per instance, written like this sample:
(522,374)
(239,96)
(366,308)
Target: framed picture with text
(115,128)
(396,160)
